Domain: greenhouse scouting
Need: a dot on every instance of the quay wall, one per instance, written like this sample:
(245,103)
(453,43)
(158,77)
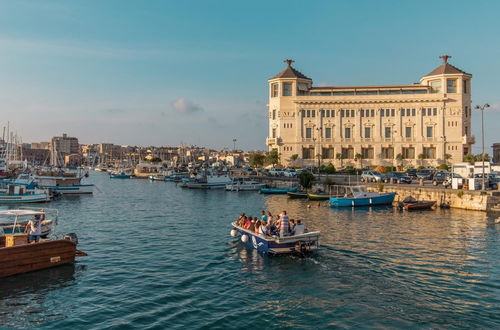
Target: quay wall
(461,199)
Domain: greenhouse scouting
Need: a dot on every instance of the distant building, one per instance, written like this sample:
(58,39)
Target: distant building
(40,145)
(36,156)
(61,146)
(496,153)
(423,123)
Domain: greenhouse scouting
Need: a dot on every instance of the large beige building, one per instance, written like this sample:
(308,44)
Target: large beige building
(425,123)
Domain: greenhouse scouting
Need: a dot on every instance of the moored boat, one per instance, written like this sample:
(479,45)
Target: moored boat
(278,191)
(304,243)
(359,196)
(157,177)
(13,228)
(64,183)
(14,194)
(318,196)
(17,256)
(119,175)
(297,194)
(244,184)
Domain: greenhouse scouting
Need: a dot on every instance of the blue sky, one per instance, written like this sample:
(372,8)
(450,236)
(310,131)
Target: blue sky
(166,72)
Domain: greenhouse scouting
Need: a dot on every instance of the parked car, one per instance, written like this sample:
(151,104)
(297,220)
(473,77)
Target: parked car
(424,174)
(291,172)
(275,172)
(371,176)
(412,173)
(397,177)
(447,182)
(440,177)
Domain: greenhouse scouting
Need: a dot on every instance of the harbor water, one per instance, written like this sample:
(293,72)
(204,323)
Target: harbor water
(161,257)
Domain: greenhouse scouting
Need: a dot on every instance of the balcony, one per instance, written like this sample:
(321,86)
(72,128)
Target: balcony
(468,139)
(273,141)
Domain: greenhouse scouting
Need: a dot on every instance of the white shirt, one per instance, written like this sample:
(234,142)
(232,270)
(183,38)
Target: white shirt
(299,229)
(35,227)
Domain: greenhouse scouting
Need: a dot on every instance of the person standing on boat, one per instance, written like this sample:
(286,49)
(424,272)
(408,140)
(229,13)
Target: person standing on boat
(263,216)
(284,224)
(34,229)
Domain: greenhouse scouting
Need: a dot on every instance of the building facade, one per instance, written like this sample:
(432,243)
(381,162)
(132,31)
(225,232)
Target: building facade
(61,146)
(496,153)
(426,123)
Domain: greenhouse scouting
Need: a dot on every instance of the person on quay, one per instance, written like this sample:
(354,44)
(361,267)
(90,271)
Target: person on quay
(34,229)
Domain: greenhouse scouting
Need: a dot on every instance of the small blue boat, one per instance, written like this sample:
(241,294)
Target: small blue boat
(278,191)
(121,175)
(307,242)
(358,196)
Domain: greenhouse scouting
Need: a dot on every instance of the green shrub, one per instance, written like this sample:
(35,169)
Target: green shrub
(460,193)
(443,167)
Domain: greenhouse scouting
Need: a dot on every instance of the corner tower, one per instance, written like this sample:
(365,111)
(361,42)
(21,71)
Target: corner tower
(454,86)
(283,91)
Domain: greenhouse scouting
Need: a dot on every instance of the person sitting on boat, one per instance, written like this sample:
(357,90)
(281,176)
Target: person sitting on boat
(248,222)
(299,228)
(34,229)
(263,228)
(283,224)
(257,227)
(291,230)
(252,225)
(241,220)
(263,216)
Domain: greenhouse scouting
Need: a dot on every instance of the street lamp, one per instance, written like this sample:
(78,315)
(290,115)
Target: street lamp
(482,108)
(319,129)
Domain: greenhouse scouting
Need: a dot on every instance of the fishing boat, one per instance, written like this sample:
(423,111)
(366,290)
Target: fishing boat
(244,184)
(17,256)
(318,196)
(64,183)
(14,194)
(119,175)
(158,177)
(297,194)
(304,243)
(359,196)
(278,191)
(209,179)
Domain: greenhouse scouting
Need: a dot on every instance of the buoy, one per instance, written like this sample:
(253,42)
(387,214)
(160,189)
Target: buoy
(244,238)
(234,232)
(308,206)
(319,204)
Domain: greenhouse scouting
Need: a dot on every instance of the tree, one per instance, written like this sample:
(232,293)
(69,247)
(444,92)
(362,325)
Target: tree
(273,157)
(421,157)
(479,157)
(256,159)
(306,179)
(338,156)
(447,157)
(293,158)
(470,158)
(399,158)
(360,158)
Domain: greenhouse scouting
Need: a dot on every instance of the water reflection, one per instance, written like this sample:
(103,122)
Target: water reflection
(26,299)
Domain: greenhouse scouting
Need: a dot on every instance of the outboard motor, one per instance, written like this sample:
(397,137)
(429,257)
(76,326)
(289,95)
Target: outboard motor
(71,237)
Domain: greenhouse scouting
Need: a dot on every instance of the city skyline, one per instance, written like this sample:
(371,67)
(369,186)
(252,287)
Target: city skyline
(172,73)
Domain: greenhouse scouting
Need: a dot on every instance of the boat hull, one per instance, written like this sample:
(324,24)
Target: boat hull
(382,199)
(422,205)
(77,189)
(34,198)
(31,257)
(308,242)
(278,191)
(297,195)
(318,197)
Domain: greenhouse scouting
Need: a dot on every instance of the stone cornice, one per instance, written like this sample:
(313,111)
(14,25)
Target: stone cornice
(372,101)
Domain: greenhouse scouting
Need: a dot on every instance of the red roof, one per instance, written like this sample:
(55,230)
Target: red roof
(446,68)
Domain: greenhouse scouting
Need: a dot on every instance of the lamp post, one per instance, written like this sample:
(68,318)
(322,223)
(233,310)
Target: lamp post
(319,130)
(482,108)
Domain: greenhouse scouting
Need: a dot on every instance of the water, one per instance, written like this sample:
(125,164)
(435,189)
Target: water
(161,257)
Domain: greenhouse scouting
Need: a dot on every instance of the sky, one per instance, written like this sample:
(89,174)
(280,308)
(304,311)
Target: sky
(195,72)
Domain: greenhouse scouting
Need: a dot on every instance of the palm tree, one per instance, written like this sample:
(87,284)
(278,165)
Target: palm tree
(360,157)
(470,158)
(338,156)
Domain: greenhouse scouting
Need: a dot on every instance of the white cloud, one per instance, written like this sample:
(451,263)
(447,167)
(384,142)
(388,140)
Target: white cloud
(184,106)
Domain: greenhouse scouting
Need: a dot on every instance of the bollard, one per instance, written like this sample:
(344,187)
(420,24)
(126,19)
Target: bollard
(421,181)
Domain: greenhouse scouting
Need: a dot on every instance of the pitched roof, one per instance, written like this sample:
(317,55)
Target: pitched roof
(446,68)
(290,72)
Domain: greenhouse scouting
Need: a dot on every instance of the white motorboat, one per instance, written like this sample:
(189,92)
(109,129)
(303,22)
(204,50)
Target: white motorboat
(244,184)
(21,194)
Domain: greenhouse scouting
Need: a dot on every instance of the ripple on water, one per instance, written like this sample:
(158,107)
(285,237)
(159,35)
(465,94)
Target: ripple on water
(161,257)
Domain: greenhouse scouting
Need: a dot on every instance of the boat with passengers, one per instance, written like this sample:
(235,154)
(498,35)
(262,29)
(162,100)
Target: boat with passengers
(301,244)
(359,196)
